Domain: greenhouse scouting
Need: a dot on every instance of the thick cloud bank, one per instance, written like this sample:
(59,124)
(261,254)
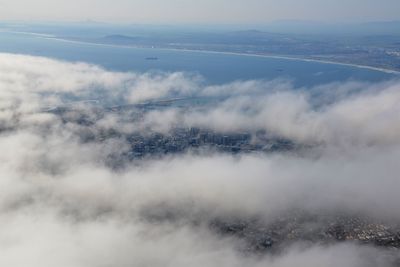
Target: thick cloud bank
(61,204)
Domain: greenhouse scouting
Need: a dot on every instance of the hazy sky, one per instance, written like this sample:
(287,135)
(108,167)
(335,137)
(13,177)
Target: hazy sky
(199,11)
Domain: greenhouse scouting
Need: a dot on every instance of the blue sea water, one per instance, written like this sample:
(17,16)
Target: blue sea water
(215,68)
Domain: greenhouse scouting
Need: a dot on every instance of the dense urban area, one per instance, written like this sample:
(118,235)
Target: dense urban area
(257,235)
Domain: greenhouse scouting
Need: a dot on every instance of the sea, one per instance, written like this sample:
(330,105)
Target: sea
(215,68)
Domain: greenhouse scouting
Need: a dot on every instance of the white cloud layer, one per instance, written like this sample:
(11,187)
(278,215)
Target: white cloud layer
(61,205)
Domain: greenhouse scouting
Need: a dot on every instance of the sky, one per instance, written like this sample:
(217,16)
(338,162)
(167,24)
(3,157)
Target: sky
(195,11)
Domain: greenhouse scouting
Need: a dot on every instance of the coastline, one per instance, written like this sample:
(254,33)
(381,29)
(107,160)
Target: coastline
(294,59)
(285,57)
(389,71)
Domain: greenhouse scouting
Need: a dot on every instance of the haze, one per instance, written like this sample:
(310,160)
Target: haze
(206,11)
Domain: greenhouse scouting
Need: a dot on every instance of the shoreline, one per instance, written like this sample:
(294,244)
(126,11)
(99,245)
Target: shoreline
(285,57)
(388,71)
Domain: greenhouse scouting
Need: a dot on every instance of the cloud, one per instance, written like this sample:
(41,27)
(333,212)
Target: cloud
(62,204)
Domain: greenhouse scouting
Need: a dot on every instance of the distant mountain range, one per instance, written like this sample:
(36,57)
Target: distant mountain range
(313,27)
